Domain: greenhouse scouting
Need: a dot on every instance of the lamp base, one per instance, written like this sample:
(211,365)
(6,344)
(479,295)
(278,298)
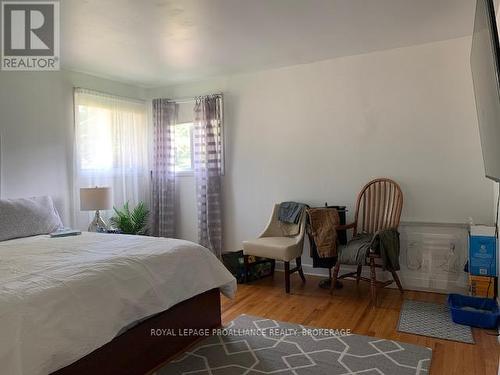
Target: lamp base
(98,224)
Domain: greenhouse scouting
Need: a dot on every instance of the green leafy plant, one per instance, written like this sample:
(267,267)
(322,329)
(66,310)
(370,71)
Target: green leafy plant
(131,222)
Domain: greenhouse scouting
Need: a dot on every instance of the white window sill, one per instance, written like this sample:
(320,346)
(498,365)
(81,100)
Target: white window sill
(184,174)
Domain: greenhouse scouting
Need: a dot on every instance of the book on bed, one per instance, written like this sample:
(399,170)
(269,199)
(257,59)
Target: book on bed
(65,232)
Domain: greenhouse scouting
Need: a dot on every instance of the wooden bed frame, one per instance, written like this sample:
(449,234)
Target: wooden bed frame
(137,351)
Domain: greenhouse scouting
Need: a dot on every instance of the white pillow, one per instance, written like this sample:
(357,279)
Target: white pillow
(26,217)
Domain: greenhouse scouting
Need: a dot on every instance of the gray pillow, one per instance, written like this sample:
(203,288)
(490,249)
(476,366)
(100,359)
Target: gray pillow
(26,217)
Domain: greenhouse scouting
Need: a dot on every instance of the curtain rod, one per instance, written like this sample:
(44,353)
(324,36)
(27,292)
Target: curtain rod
(102,93)
(192,99)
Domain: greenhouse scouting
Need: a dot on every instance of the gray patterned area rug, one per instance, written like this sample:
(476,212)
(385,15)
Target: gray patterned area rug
(433,320)
(262,346)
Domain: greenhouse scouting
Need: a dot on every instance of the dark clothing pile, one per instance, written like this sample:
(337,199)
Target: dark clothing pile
(290,212)
(384,242)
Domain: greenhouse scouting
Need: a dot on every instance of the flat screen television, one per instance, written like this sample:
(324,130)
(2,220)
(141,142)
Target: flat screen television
(485,65)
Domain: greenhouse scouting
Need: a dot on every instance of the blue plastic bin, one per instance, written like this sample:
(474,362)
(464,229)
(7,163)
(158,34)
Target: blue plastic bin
(473,311)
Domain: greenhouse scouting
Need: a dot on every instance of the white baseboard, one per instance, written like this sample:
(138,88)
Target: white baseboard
(410,283)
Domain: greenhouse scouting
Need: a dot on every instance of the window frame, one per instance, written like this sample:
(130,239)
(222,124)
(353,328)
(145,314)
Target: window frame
(187,172)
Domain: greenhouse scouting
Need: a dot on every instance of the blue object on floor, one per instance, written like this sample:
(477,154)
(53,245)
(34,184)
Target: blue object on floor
(473,311)
(483,255)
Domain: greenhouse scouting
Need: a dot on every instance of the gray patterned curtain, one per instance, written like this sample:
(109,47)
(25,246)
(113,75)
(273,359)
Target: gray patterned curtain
(208,167)
(163,172)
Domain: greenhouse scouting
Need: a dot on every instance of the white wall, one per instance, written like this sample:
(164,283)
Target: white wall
(36,130)
(318,132)
(311,133)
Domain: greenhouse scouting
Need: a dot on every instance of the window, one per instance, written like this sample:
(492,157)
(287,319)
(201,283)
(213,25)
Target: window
(94,138)
(111,134)
(184,148)
(111,150)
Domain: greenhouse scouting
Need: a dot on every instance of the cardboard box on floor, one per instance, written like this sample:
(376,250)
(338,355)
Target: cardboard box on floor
(482,286)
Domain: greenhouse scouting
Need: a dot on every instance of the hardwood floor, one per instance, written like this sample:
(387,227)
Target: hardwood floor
(350,308)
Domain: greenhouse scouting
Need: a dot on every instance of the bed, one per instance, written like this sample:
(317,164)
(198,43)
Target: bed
(88,303)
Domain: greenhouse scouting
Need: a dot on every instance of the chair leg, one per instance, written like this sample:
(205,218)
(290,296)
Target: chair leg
(287,277)
(373,281)
(358,273)
(336,270)
(298,261)
(273,266)
(245,267)
(398,282)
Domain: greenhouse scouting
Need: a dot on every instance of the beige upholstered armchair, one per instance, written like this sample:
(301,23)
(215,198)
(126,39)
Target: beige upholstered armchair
(280,241)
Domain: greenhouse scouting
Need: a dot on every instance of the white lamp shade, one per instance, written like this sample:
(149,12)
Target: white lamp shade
(96,198)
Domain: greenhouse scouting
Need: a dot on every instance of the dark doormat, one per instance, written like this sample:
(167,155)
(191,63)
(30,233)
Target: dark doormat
(433,320)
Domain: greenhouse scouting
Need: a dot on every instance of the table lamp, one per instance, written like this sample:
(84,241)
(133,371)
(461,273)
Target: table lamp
(95,199)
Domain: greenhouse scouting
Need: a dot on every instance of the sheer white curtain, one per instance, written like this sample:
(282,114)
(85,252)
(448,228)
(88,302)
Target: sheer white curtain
(111,136)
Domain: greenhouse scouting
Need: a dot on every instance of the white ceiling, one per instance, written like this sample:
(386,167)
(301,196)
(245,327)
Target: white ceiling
(160,42)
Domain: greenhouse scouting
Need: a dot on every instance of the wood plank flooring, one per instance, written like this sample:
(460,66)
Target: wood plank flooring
(350,308)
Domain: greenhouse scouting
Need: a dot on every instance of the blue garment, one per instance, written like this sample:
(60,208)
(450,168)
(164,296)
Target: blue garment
(289,212)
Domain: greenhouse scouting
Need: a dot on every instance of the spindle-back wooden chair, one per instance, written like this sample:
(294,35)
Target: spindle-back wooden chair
(378,207)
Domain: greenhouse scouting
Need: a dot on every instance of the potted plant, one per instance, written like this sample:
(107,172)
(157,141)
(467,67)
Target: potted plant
(133,221)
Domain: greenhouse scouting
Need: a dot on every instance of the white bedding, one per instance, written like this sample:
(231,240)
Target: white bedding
(62,298)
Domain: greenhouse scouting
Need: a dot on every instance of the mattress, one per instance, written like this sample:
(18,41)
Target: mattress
(62,298)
